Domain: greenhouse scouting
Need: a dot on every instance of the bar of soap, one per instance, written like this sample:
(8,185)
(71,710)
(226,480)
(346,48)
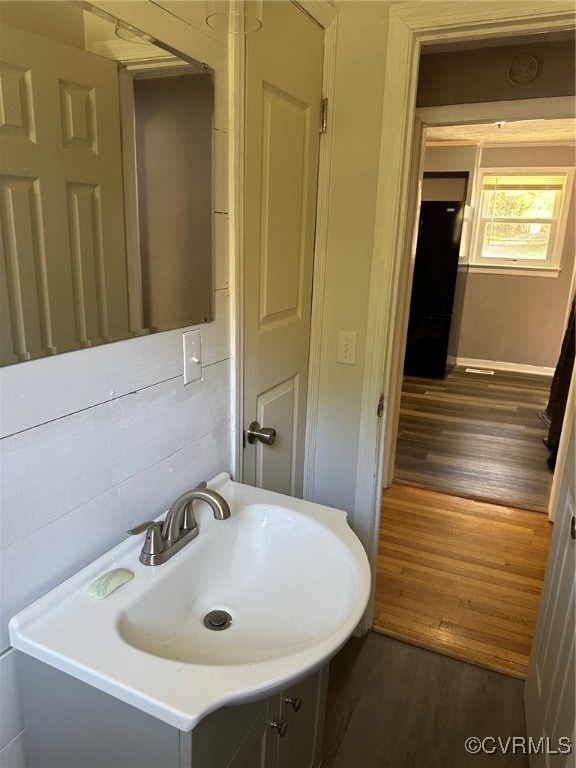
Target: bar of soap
(108,582)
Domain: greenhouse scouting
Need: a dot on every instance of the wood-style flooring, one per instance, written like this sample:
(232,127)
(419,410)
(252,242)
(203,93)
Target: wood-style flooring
(391,705)
(476,435)
(461,577)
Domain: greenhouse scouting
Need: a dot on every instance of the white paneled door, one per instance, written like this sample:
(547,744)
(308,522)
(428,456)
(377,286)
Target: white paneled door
(283,108)
(550,692)
(61,199)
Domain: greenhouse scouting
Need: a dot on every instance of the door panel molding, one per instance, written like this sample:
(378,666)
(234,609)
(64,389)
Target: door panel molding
(278,408)
(281,283)
(17,123)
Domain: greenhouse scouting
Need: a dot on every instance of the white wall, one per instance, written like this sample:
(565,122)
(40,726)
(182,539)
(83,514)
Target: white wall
(357,116)
(96,441)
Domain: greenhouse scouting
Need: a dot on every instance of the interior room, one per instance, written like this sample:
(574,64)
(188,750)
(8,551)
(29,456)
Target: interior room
(503,343)
(207,225)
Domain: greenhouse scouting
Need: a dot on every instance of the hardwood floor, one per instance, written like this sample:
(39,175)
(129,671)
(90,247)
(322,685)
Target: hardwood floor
(477,436)
(392,705)
(461,577)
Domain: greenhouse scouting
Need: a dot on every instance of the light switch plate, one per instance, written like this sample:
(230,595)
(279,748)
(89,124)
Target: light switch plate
(347,347)
(192,349)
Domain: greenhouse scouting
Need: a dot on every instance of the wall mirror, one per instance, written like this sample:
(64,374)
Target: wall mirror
(106,182)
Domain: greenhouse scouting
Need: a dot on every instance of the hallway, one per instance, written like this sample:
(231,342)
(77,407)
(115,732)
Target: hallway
(460,577)
(476,435)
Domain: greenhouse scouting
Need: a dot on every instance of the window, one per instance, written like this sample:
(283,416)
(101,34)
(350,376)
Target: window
(521,218)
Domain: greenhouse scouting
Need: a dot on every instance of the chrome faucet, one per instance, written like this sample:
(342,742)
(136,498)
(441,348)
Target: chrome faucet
(179,527)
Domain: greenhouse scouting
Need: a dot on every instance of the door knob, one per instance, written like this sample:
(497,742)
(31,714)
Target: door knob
(265,435)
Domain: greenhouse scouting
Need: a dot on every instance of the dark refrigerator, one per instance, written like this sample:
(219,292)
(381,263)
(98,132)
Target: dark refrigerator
(437,291)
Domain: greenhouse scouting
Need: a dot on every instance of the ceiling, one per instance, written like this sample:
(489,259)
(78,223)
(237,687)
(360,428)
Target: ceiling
(517,132)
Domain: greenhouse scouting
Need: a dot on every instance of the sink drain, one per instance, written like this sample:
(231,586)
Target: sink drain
(217,620)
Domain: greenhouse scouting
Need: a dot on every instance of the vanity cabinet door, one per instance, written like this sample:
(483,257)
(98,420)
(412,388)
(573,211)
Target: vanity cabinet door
(232,737)
(296,739)
(250,754)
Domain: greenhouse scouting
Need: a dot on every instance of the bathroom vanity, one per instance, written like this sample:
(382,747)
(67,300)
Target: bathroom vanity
(70,724)
(132,665)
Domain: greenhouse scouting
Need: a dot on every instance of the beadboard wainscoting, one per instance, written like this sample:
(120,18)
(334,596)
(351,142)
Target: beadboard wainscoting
(99,440)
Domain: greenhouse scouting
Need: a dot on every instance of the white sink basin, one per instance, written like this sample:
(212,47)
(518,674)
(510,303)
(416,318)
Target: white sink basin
(292,576)
(275,571)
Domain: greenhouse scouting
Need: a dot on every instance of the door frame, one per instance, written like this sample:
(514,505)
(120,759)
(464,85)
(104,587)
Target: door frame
(411,26)
(324,14)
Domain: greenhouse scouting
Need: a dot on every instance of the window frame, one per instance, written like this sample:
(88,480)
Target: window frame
(551,267)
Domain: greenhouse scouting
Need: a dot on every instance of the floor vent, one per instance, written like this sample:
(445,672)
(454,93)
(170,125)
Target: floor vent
(483,371)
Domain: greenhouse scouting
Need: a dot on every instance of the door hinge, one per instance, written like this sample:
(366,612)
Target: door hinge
(380,409)
(324,116)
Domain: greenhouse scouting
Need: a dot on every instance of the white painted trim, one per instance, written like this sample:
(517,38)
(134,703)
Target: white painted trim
(237,104)
(563,446)
(485,20)
(501,144)
(509,269)
(320,10)
(398,307)
(523,144)
(320,259)
(409,26)
(496,365)
(395,172)
(123,51)
(522,109)
(401,311)
(132,230)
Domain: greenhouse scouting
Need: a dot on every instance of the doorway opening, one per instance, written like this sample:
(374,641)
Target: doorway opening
(453,574)
(477,377)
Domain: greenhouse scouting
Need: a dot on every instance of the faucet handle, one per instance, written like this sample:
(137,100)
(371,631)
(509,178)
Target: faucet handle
(141,528)
(154,542)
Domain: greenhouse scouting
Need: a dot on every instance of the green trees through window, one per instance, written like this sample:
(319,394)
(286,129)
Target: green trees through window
(519,217)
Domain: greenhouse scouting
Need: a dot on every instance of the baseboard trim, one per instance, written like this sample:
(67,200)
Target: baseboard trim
(538,370)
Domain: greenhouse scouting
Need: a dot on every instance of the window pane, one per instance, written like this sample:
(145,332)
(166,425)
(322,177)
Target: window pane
(503,240)
(519,204)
